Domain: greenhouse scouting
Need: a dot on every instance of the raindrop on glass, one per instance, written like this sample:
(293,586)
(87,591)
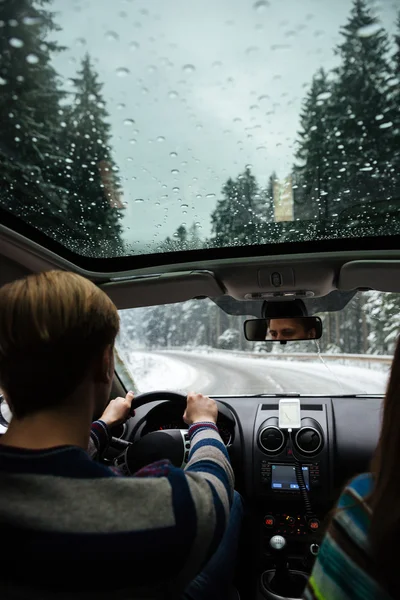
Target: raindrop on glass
(129,122)
(133,141)
(188,69)
(32,59)
(31,21)
(120,106)
(122,71)
(15,42)
(175,190)
(173,95)
(184,205)
(133,46)
(386,125)
(173,154)
(324,96)
(275,47)
(112,36)
(161,139)
(210,196)
(139,200)
(368,30)
(260,6)
(251,50)
(175,172)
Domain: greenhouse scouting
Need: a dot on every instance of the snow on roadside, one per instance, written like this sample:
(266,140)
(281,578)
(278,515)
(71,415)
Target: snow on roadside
(154,372)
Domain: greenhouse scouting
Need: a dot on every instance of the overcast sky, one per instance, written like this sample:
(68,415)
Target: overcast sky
(197,90)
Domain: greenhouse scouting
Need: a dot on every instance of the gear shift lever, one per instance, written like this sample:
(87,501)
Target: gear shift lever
(278,547)
(284,582)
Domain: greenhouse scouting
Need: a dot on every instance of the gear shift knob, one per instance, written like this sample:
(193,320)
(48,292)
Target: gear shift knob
(277,543)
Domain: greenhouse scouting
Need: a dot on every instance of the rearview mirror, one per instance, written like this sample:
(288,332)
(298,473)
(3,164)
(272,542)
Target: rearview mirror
(283,329)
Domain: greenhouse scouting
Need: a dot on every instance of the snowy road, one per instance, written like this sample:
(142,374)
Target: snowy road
(223,373)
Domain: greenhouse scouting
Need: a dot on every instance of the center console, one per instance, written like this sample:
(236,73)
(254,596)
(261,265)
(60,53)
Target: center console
(292,487)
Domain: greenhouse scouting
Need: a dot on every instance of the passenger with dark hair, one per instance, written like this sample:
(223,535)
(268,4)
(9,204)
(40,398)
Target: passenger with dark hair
(359,556)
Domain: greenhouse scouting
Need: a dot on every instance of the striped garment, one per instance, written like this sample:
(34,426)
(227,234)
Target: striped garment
(341,570)
(71,528)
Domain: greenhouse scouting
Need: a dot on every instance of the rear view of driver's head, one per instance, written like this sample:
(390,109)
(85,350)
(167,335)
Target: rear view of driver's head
(57,329)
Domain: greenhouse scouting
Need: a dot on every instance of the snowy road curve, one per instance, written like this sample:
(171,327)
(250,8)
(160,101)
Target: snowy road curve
(222,373)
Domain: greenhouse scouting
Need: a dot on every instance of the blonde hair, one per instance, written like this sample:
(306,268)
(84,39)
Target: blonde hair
(52,326)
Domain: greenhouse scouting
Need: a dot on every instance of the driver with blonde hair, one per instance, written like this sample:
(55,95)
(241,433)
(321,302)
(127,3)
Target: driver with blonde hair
(152,532)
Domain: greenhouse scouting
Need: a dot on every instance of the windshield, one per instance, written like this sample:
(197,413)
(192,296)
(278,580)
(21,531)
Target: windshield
(145,127)
(197,346)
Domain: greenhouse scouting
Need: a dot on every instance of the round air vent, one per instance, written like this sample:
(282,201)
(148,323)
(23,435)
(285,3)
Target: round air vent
(308,440)
(271,438)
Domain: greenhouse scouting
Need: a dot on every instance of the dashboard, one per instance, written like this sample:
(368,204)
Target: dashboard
(335,441)
(339,433)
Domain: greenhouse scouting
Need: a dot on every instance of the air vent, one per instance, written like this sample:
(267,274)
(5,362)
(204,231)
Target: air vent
(271,438)
(308,440)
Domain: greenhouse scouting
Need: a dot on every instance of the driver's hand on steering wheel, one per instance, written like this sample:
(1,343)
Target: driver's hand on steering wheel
(118,410)
(200,408)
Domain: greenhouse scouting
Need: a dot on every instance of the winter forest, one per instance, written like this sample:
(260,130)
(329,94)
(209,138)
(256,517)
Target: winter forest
(59,174)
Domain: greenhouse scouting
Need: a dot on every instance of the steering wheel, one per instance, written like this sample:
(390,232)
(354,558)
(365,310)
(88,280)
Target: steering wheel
(172,444)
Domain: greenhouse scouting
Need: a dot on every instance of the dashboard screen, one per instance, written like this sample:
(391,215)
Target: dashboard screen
(284,477)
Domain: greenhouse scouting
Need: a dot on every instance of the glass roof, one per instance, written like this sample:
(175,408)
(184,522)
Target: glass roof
(138,127)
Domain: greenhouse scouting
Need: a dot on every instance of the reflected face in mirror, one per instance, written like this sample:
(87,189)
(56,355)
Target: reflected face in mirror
(289,329)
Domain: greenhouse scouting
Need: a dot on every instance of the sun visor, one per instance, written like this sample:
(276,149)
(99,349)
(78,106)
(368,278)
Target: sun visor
(381,275)
(162,289)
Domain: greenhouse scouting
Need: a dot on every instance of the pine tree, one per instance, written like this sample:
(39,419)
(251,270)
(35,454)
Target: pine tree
(194,237)
(91,173)
(181,235)
(312,200)
(240,213)
(394,85)
(30,114)
(361,173)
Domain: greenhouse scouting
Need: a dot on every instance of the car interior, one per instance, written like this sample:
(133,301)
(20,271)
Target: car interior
(336,436)
(226,278)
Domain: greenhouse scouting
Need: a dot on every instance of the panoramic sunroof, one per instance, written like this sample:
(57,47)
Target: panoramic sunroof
(137,127)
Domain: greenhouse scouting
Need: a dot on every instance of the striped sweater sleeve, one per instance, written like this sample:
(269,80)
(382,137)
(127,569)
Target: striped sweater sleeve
(99,439)
(342,569)
(203,495)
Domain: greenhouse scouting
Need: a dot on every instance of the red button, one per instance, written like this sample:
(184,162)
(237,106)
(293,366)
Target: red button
(269,521)
(313,524)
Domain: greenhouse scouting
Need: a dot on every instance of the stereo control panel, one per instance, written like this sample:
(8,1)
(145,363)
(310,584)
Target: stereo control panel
(284,462)
(281,477)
